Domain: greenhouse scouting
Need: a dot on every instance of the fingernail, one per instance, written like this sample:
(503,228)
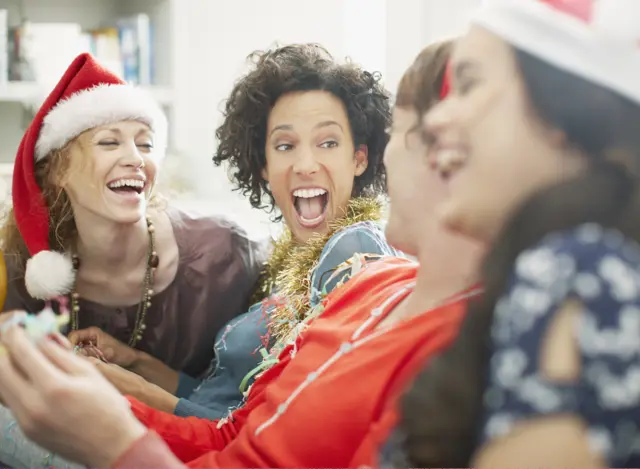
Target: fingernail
(3,351)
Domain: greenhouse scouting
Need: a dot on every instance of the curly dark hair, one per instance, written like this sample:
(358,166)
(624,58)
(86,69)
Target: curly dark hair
(299,67)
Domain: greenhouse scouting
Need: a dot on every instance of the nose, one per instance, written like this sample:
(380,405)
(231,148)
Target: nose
(306,162)
(435,121)
(132,156)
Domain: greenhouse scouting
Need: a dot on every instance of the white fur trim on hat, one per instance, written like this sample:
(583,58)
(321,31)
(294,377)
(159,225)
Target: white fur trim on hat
(100,105)
(49,274)
(604,50)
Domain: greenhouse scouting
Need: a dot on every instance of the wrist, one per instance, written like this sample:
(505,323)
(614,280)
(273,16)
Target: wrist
(138,358)
(156,397)
(118,444)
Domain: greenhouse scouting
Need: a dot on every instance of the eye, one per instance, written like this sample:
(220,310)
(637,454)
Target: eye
(107,143)
(329,144)
(284,147)
(464,85)
(148,146)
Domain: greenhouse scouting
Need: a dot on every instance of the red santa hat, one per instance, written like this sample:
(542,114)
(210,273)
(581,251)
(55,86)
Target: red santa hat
(598,40)
(87,96)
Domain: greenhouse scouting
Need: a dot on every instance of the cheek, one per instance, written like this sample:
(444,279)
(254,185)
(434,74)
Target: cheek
(152,166)
(342,169)
(278,183)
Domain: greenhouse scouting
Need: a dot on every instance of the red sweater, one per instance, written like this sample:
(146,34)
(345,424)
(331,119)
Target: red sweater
(331,405)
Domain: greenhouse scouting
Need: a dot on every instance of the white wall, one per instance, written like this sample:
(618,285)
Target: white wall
(214,38)
(208,42)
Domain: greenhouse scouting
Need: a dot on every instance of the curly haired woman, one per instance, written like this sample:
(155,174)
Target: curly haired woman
(304,136)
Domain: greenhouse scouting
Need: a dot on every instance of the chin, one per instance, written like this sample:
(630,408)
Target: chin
(456,222)
(127,217)
(397,238)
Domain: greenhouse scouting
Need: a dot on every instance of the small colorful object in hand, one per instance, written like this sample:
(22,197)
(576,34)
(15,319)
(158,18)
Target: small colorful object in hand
(38,326)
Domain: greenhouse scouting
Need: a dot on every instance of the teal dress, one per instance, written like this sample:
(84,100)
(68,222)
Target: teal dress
(237,349)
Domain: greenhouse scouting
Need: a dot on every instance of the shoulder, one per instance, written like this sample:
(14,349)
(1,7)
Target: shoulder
(598,267)
(214,239)
(337,259)
(574,296)
(363,237)
(369,233)
(374,277)
(582,260)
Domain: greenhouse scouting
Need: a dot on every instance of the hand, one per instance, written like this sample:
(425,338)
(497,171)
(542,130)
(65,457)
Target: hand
(62,402)
(4,317)
(125,381)
(113,350)
(131,384)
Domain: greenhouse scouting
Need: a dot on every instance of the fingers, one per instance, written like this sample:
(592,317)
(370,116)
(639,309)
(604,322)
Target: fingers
(62,341)
(64,359)
(12,317)
(26,357)
(84,335)
(14,387)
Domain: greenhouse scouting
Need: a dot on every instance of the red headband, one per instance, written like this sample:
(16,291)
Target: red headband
(446,82)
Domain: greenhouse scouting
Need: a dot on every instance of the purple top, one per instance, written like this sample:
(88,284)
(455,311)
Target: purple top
(217,271)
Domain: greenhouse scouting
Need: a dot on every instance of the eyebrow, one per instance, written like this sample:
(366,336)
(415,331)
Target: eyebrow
(141,131)
(319,125)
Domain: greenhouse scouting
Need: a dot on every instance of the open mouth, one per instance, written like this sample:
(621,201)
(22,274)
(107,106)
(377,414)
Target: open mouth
(311,206)
(127,187)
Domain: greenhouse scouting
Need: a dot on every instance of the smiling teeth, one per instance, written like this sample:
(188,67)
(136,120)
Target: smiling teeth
(308,193)
(126,183)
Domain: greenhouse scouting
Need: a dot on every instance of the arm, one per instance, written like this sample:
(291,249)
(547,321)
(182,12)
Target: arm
(564,363)
(156,372)
(191,437)
(148,452)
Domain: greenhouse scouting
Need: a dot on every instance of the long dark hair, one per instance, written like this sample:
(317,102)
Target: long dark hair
(441,412)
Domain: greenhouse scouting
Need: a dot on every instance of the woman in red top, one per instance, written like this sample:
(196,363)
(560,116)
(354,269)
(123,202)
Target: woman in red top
(323,404)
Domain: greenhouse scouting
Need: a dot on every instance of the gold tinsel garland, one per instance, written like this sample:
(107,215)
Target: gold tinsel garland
(288,270)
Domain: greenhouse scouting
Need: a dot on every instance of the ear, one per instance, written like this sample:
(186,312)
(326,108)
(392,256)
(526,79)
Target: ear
(362,159)
(265,174)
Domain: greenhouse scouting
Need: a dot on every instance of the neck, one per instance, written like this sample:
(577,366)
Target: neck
(109,246)
(448,265)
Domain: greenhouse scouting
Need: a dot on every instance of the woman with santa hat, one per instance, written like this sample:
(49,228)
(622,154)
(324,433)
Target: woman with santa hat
(86,225)
(539,143)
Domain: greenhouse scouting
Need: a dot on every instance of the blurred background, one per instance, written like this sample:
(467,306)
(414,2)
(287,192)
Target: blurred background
(189,53)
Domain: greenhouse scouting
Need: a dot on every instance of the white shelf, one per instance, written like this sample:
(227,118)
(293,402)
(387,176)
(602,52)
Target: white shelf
(28,93)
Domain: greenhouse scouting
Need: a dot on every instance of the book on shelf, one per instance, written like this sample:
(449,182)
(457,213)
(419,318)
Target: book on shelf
(4,46)
(40,52)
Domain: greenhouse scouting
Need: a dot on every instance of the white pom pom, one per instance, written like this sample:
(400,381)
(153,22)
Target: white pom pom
(49,274)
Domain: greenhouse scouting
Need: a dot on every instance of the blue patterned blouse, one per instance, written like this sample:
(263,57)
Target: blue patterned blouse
(599,268)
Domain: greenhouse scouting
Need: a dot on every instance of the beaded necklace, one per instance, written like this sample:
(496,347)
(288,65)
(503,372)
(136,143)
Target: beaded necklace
(147,290)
